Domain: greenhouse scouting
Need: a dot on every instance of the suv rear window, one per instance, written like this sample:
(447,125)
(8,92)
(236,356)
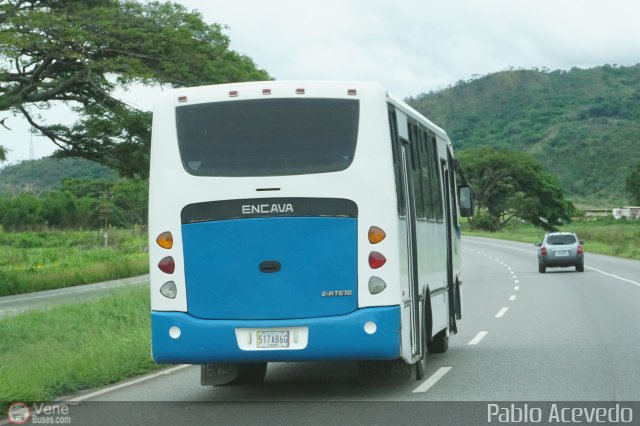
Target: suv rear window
(558,240)
(267,137)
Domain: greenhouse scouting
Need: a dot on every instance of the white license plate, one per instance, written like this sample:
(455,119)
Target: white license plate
(273,339)
(562,253)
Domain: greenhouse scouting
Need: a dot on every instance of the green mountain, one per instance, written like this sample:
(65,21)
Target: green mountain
(47,173)
(583,125)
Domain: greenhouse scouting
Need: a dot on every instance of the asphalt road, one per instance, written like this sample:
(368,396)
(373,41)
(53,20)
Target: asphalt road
(10,305)
(525,337)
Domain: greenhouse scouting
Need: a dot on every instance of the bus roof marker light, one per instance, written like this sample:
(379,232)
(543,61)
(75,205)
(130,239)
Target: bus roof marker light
(376,260)
(167,265)
(266,91)
(182,99)
(300,91)
(352,92)
(233,93)
(376,235)
(169,290)
(165,240)
(376,285)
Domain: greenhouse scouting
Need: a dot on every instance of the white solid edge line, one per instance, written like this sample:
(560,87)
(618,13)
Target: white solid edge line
(501,312)
(478,338)
(427,384)
(614,276)
(125,384)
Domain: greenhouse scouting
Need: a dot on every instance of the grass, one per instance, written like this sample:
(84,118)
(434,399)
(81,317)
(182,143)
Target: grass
(47,354)
(35,261)
(605,236)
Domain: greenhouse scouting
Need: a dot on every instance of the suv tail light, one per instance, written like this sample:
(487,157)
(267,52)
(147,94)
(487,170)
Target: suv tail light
(579,248)
(543,250)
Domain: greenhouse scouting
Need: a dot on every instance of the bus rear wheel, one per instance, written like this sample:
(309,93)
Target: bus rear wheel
(440,343)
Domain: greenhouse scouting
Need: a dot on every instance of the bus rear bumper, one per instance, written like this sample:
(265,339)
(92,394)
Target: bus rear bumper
(201,341)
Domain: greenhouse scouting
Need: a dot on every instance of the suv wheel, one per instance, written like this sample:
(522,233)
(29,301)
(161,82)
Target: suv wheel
(580,267)
(541,268)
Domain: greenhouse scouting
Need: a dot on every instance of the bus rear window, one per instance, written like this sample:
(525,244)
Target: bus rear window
(267,137)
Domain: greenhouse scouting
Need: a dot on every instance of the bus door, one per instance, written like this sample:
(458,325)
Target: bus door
(446,186)
(409,197)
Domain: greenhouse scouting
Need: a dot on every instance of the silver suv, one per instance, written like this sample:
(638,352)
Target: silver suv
(560,249)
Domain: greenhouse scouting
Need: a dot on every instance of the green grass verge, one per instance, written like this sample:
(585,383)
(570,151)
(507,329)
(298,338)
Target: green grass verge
(611,237)
(35,261)
(50,353)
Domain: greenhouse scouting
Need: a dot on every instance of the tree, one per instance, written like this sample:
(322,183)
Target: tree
(509,185)
(78,52)
(633,184)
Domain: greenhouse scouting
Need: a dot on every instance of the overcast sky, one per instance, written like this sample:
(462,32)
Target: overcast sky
(410,46)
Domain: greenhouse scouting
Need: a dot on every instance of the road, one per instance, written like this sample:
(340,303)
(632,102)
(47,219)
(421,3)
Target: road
(525,336)
(10,305)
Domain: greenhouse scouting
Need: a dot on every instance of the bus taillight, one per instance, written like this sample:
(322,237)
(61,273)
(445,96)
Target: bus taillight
(167,265)
(376,260)
(169,290)
(376,285)
(376,235)
(165,240)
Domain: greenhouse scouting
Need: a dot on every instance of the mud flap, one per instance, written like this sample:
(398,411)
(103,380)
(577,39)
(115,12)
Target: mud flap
(386,372)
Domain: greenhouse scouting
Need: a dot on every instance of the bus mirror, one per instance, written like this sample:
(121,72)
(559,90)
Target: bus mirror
(465,201)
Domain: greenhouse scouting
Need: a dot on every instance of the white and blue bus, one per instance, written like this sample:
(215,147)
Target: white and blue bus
(299,221)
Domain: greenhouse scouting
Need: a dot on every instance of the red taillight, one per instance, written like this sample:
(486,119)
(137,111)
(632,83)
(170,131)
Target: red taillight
(167,265)
(543,250)
(376,260)
(579,248)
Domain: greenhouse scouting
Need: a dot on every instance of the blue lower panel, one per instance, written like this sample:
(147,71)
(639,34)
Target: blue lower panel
(330,338)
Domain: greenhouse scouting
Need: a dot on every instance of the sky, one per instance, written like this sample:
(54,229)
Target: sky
(410,47)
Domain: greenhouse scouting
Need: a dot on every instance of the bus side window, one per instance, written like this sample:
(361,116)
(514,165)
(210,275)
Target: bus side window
(416,168)
(395,147)
(425,164)
(435,175)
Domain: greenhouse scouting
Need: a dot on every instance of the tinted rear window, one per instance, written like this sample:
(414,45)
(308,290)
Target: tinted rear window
(270,137)
(561,239)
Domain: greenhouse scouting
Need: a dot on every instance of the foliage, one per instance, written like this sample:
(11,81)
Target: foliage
(48,173)
(51,353)
(633,184)
(35,261)
(582,125)
(510,185)
(78,204)
(78,52)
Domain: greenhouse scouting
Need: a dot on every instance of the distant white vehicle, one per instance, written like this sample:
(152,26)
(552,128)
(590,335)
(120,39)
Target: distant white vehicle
(294,221)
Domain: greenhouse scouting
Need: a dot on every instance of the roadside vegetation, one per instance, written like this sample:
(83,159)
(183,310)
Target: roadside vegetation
(35,261)
(51,353)
(603,236)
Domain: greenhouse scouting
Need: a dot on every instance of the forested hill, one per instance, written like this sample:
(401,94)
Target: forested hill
(48,173)
(583,124)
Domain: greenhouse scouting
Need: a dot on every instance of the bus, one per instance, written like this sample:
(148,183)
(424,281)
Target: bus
(300,221)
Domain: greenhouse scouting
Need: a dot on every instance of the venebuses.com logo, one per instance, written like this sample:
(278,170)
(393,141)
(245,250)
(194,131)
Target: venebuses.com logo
(18,413)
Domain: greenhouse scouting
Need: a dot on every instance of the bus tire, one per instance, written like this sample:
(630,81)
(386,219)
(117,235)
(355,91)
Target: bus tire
(439,343)
(421,365)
